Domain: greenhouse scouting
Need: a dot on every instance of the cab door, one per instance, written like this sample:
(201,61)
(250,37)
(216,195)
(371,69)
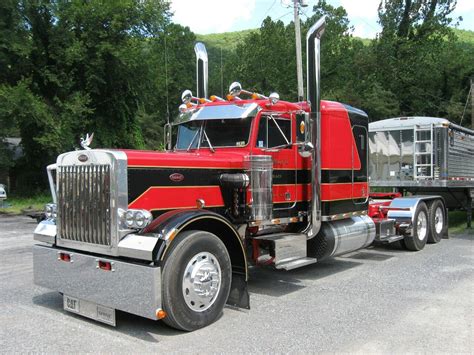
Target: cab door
(274,138)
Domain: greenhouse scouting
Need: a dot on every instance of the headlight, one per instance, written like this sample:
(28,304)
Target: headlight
(137,219)
(129,219)
(50,210)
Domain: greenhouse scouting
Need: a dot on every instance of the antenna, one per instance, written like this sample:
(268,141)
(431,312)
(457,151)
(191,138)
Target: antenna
(167,128)
(166,83)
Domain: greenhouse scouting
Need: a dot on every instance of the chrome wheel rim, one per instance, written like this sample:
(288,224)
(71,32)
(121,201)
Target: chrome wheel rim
(421,226)
(439,220)
(201,281)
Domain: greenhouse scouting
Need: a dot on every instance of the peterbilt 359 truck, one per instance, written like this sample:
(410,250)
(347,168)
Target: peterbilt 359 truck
(249,181)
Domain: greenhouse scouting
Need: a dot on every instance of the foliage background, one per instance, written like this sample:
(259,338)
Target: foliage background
(71,67)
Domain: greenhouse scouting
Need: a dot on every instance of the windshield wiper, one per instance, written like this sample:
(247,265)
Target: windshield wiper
(192,140)
(207,139)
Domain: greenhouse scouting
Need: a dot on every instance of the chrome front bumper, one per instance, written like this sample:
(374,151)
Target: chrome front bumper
(129,287)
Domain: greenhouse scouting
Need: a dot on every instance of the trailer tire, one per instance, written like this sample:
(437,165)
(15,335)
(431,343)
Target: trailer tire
(420,229)
(193,255)
(437,221)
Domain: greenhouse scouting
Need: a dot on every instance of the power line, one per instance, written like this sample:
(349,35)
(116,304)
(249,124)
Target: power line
(268,11)
(283,15)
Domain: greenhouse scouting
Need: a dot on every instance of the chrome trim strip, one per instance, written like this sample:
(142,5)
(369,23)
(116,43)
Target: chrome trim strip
(52,186)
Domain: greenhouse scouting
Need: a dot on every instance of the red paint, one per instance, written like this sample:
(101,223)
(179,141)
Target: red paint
(164,198)
(337,141)
(347,191)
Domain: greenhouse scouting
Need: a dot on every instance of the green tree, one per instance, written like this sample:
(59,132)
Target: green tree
(417,56)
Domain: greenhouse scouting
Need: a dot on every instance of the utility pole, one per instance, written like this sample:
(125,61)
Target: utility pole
(299,63)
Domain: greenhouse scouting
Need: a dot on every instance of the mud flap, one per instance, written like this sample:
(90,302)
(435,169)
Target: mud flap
(239,295)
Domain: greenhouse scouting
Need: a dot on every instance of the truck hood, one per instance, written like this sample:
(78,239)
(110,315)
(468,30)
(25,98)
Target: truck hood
(220,159)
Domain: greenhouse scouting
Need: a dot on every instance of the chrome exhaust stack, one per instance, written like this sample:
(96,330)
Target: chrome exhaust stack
(313,39)
(201,70)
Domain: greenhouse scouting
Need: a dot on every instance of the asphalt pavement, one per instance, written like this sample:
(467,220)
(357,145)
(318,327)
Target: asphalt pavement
(380,299)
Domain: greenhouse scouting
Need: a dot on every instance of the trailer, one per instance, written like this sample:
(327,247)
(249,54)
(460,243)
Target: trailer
(424,156)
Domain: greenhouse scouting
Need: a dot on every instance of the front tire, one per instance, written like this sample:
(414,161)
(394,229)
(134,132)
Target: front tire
(420,229)
(196,280)
(437,221)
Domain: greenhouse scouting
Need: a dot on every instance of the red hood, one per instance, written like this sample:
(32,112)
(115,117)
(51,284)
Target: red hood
(197,159)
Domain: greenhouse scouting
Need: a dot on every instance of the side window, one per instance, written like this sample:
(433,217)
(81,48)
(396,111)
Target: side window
(274,132)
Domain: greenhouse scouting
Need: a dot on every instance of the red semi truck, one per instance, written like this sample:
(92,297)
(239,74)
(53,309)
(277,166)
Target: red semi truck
(250,180)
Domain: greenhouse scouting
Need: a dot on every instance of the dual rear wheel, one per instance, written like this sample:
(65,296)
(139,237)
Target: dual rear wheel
(429,225)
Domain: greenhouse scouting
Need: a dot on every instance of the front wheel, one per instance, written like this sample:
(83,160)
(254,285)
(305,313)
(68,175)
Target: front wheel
(196,280)
(420,229)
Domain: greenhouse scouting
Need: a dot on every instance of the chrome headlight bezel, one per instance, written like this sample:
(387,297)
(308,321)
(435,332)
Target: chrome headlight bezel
(135,218)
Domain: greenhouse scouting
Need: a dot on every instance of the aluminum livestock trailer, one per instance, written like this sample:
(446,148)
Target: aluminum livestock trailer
(424,156)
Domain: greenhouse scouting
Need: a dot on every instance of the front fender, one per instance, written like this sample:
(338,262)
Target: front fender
(170,224)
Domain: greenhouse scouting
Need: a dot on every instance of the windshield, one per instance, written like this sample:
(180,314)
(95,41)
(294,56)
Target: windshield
(214,133)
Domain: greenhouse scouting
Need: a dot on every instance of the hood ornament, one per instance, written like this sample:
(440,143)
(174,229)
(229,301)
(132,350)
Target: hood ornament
(86,142)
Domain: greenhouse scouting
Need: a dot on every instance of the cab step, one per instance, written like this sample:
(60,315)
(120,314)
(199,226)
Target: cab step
(391,239)
(295,263)
(290,250)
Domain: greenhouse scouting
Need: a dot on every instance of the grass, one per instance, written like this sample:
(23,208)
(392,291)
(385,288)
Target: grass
(457,223)
(17,204)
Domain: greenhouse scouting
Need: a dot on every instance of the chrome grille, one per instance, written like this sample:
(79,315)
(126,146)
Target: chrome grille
(84,208)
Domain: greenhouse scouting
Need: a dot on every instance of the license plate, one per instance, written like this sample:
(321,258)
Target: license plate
(71,304)
(90,309)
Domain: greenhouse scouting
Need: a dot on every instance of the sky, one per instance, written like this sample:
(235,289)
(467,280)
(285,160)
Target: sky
(215,16)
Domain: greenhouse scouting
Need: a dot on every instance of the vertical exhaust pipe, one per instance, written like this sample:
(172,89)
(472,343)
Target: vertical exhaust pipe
(313,50)
(201,70)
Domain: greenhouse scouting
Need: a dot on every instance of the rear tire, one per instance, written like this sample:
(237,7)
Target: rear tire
(196,280)
(420,229)
(437,221)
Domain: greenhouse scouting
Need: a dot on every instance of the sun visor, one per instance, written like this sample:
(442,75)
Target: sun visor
(219,112)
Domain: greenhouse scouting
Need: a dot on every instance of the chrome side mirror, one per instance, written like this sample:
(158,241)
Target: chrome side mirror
(186,96)
(303,134)
(183,108)
(235,89)
(274,97)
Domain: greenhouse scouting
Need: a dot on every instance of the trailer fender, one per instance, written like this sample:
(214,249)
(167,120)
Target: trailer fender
(402,209)
(170,224)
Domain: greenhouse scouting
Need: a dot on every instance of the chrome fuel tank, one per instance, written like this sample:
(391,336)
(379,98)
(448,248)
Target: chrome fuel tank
(341,237)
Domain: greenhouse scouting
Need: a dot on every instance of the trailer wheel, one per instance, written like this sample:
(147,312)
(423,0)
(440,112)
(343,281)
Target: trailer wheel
(420,229)
(437,221)
(196,280)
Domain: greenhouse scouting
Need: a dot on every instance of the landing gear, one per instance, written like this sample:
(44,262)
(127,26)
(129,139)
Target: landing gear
(196,280)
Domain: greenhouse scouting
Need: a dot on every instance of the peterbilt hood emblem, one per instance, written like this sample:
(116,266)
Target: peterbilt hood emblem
(86,142)
(83,158)
(176,177)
